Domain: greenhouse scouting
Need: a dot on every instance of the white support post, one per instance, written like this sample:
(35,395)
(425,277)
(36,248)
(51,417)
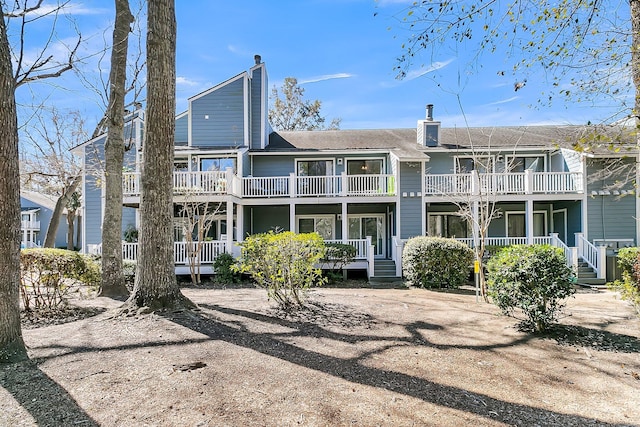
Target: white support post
(345,223)
(345,183)
(292,218)
(239,223)
(529,221)
(229,242)
(602,262)
(528,181)
(370,258)
(292,185)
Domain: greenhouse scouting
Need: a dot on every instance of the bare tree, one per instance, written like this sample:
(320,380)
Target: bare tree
(11,343)
(49,166)
(290,111)
(112,273)
(156,286)
(198,217)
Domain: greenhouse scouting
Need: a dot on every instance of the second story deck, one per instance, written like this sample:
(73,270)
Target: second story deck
(522,183)
(226,183)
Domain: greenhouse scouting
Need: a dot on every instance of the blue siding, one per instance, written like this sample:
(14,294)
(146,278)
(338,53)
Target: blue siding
(258,110)
(411,209)
(182,130)
(611,217)
(267,218)
(273,166)
(225,109)
(92,191)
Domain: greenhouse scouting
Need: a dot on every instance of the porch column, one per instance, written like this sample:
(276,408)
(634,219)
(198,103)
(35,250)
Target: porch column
(476,224)
(529,221)
(292,218)
(239,223)
(345,223)
(229,243)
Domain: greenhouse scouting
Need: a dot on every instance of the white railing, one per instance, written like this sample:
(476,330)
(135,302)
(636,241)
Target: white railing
(508,241)
(208,253)
(209,182)
(503,183)
(361,245)
(570,254)
(265,186)
(594,256)
(30,225)
(317,186)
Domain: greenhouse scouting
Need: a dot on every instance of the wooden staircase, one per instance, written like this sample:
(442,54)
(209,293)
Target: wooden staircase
(587,275)
(384,270)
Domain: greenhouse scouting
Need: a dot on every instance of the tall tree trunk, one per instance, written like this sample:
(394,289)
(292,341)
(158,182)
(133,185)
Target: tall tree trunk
(58,210)
(11,344)
(156,286)
(635,56)
(71,216)
(112,274)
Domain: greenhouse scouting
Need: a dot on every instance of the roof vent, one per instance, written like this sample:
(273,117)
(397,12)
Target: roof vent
(257,58)
(430,112)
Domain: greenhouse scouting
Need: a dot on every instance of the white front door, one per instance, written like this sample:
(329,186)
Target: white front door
(361,226)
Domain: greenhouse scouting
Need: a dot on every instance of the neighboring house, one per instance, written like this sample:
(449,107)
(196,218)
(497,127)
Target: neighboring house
(37,209)
(374,188)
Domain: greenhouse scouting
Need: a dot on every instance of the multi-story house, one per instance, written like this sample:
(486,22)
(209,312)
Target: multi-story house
(376,188)
(36,212)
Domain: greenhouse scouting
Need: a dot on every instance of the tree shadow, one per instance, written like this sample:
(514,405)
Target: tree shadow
(53,405)
(276,344)
(595,339)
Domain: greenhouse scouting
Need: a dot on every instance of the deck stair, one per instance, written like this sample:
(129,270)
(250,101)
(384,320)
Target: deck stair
(587,276)
(384,271)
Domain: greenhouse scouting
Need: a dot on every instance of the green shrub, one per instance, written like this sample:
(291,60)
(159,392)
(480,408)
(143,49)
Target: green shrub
(533,278)
(283,264)
(129,272)
(629,286)
(336,256)
(47,274)
(222,266)
(436,262)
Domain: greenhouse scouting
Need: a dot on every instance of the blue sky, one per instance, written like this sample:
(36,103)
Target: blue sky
(343,52)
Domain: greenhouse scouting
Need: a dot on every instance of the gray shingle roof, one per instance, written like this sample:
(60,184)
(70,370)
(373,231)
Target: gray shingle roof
(403,142)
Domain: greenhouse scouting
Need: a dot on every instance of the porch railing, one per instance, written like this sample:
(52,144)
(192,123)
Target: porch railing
(361,245)
(503,183)
(30,225)
(594,256)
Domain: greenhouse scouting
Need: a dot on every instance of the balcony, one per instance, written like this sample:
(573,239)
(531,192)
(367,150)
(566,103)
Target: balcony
(222,183)
(30,225)
(527,182)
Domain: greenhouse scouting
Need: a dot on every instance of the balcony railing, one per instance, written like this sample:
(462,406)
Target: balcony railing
(219,183)
(30,225)
(211,249)
(503,183)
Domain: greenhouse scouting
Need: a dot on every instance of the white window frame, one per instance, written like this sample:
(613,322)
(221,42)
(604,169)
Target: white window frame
(506,223)
(314,159)
(456,162)
(331,217)
(383,168)
(509,159)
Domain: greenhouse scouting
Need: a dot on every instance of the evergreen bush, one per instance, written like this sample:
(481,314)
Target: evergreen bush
(223,268)
(436,262)
(46,276)
(283,263)
(533,278)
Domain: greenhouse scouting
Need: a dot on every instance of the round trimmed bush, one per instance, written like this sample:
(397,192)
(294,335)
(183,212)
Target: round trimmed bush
(436,262)
(533,278)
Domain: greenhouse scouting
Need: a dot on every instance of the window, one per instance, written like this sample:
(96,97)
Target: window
(521,164)
(517,224)
(468,164)
(323,225)
(364,167)
(315,167)
(217,163)
(448,225)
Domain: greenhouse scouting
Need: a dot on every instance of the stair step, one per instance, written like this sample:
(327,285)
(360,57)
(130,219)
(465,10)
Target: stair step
(591,281)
